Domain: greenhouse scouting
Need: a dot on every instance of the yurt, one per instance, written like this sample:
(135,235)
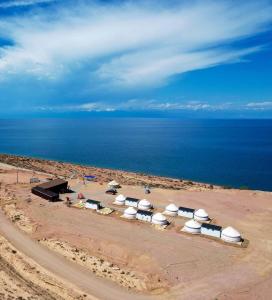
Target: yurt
(159,219)
(171,210)
(201,215)
(130,213)
(231,235)
(192,226)
(120,200)
(113,184)
(144,204)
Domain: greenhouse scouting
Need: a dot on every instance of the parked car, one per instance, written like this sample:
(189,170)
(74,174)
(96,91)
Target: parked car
(111,191)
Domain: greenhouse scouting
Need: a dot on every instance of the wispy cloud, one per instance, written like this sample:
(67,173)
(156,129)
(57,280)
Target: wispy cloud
(156,105)
(266,105)
(130,44)
(18,3)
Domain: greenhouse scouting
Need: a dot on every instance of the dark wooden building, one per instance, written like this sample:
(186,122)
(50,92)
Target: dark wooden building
(50,190)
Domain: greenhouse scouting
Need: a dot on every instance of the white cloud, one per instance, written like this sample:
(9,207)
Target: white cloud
(18,3)
(266,105)
(130,44)
(157,105)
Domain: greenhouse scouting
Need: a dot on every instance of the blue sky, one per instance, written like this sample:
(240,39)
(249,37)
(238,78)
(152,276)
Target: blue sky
(187,58)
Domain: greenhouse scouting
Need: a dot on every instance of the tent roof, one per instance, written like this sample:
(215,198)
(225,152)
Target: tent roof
(192,224)
(113,182)
(120,198)
(159,217)
(172,207)
(144,202)
(201,213)
(231,232)
(130,211)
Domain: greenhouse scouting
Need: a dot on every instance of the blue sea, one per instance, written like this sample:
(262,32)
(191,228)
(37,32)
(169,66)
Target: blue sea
(227,152)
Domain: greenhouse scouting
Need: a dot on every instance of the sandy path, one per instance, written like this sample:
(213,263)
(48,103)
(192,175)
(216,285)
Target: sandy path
(58,265)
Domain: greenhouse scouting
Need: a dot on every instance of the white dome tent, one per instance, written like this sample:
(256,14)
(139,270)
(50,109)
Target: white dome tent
(231,235)
(192,226)
(144,204)
(113,184)
(201,215)
(130,213)
(120,200)
(159,219)
(171,210)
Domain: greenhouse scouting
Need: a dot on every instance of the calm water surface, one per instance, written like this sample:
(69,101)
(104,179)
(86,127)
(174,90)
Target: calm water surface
(228,152)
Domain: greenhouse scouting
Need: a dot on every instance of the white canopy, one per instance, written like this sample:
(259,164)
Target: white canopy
(121,198)
(231,232)
(113,183)
(144,203)
(201,213)
(159,217)
(193,224)
(172,207)
(130,211)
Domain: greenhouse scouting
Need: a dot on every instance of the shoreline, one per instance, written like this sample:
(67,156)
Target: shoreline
(114,251)
(103,175)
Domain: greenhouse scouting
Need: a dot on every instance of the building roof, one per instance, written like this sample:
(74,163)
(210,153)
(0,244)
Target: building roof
(132,199)
(211,227)
(52,183)
(186,209)
(144,212)
(93,201)
(45,192)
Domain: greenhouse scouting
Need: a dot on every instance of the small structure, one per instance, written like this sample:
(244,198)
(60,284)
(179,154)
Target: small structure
(144,215)
(231,235)
(114,184)
(131,202)
(80,196)
(147,189)
(120,200)
(186,212)
(171,210)
(144,204)
(93,204)
(211,230)
(89,177)
(34,180)
(192,226)
(130,213)
(159,219)
(201,215)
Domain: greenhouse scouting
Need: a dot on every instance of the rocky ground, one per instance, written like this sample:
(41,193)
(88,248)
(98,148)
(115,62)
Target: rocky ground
(22,279)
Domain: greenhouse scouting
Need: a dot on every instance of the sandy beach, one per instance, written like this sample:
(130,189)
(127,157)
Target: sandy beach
(134,256)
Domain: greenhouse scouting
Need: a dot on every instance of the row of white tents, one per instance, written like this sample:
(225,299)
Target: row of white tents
(229,234)
(193,226)
(158,218)
(170,210)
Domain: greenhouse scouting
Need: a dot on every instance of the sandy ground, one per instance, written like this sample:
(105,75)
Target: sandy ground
(168,263)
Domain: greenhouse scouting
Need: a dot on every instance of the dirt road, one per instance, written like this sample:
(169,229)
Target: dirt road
(75,274)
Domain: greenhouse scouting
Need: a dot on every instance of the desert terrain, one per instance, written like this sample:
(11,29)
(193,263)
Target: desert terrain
(133,256)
